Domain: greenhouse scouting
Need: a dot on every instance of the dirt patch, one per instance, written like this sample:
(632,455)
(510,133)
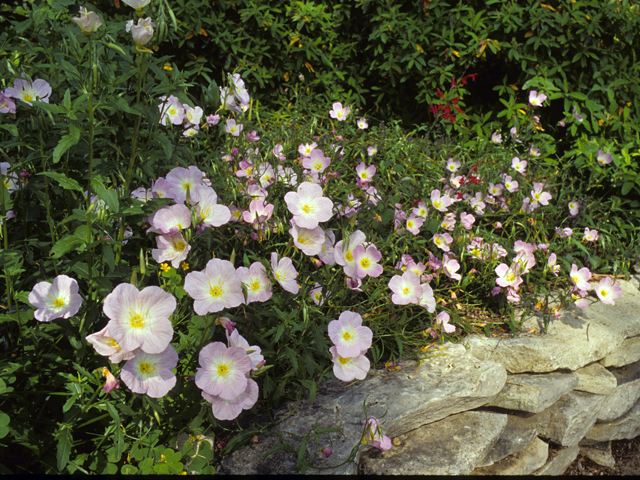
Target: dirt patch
(626,454)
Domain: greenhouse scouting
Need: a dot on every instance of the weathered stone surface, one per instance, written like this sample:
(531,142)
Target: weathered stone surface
(564,346)
(628,352)
(452,383)
(625,395)
(598,452)
(250,462)
(516,436)
(534,392)
(625,427)
(425,451)
(568,420)
(560,462)
(522,462)
(594,378)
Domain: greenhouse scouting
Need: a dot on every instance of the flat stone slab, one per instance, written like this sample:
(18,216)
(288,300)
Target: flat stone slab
(560,462)
(594,378)
(451,446)
(404,400)
(628,352)
(598,452)
(564,346)
(624,396)
(534,392)
(624,428)
(516,436)
(523,462)
(568,420)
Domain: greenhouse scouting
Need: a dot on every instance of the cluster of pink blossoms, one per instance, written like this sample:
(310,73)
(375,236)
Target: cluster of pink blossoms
(26,90)
(606,290)
(351,342)
(172,111)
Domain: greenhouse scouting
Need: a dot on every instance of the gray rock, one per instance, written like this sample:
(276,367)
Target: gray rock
(534,392)
(560,461)
(564,346)
(250,461)
(598,452)
(516,436)
(568,420)
(628,352)
(522,462)
(624,396)
(594,378)
(625,427)
(451,446)
(415,396)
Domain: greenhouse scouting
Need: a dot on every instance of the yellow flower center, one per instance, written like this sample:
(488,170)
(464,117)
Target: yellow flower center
(343,360)
(317,166)
(438,241)
(575,279)
(136,320)
(223,370)
(603,293)
(437,203)
(475,252)
(510,277)
(112,343)
(280,276)
(249,170)
(347,336)
(409,224)
(58,302)
(303,240)
(28,98)
(365,263)
(172,111)
(318,296)
(349,256)
(180,245)
(406,290)
(255,285)
(147,368)
(306,208)
(215,291)
(363,175)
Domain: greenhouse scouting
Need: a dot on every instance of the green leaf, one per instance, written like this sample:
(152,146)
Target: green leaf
(11,128)
(626,187)
(65,244)
(128,470)
(110,197)
(64,181)
(166,145)
(65,441)
(66,142)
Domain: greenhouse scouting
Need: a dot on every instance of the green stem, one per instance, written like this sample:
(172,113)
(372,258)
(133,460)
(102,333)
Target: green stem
(90,140)
(43,163)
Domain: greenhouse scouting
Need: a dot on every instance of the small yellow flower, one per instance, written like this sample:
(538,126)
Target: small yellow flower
(185,266)
(165,267)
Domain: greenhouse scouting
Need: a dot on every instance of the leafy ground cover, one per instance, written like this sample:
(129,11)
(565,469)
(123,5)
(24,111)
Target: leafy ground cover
(177,259)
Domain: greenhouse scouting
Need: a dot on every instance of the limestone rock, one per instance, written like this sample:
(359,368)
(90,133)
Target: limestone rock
(625,395)
(628,352)
(560,462)
(598,452)
(568,420)
(522,462)
(534,392)
(564,346)
(625,427)
(415,396)
(250,461)
(594,378)
(425,451)
(516,436)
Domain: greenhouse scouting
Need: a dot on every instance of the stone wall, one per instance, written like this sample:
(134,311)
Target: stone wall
(490,406)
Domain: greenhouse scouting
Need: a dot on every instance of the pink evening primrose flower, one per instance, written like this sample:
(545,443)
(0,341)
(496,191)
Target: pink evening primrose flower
(449,222)
(406,288)
(27,91)
(140,319)
(538,195)
(574,208)
(234,339)
(184,181)
(316,294)
(252,136)
(227,324)
(366,261)
(256,282)
(229,409)
(305,149)
(285,273)
(552,265)
(536,99)
(604,158)
(421,210)
(215,288)
(173,248)
(309,240)
(59,299)
(580,277)
(510,184)
(339,113)
(344,255)
(362,124)
(439,202)
(151,373)
(349,336)
(467,220)
(371,151)
(142,33)
(104,345)
(111,383)
(452,165)
(450,266)
(374,434)
(349,368)
(365,173)
(259,212)
(213,119)
(534,151)
(192,116)
(427,299)
(88,21)
(608,291)
(518,165)
(190,132)
(7,104)
(137,4)
(442,320)
(170,219)
(316,161)
(171,111)
(590,235)
(496,137)
(223,370)
(414,223)
(564,232)
(232,128)
(308,206)
(507,276)
(443,241)
(327,252)
(208,210)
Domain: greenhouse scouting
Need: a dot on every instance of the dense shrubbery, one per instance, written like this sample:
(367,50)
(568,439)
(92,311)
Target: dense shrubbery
(154,217)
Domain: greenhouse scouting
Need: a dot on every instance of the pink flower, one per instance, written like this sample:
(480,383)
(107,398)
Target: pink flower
(496,137)
(608,291)
(316,162)
(111,383)
(371,151)
(215,288)
(442,241)
(339,113)
(467,220)
(151,373)
(574,208)
(316,294)
(308,206)
(223,370)
(59,299)
(7,105)
(406,288)
(171,111)
(421,210)
(309,240)
(104,345)
(538,195)
(507,276)
(449,222)
(442,320)
(344,257)
(440,202)
(604,158)
(374,434)
(564,233)
(590,235)
(349,336)
(285,273)
(229,409)
(171,248)
(227,324)
(306,148)
(535,99)
(427,299)
(366,261)
(207,208)
(252,137)
(170,219)
(580,277)
(452,165)
(192,115)
(510,184)
(259,212)
(450,266)
(365,173)
(234,339)
(27,91)
(88,21)
(518,165)
(551,264)
(142,33)
(232,128)
(414,223)
(213,119)
(349,368)
(362,124)
(256,282)
(326,253)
